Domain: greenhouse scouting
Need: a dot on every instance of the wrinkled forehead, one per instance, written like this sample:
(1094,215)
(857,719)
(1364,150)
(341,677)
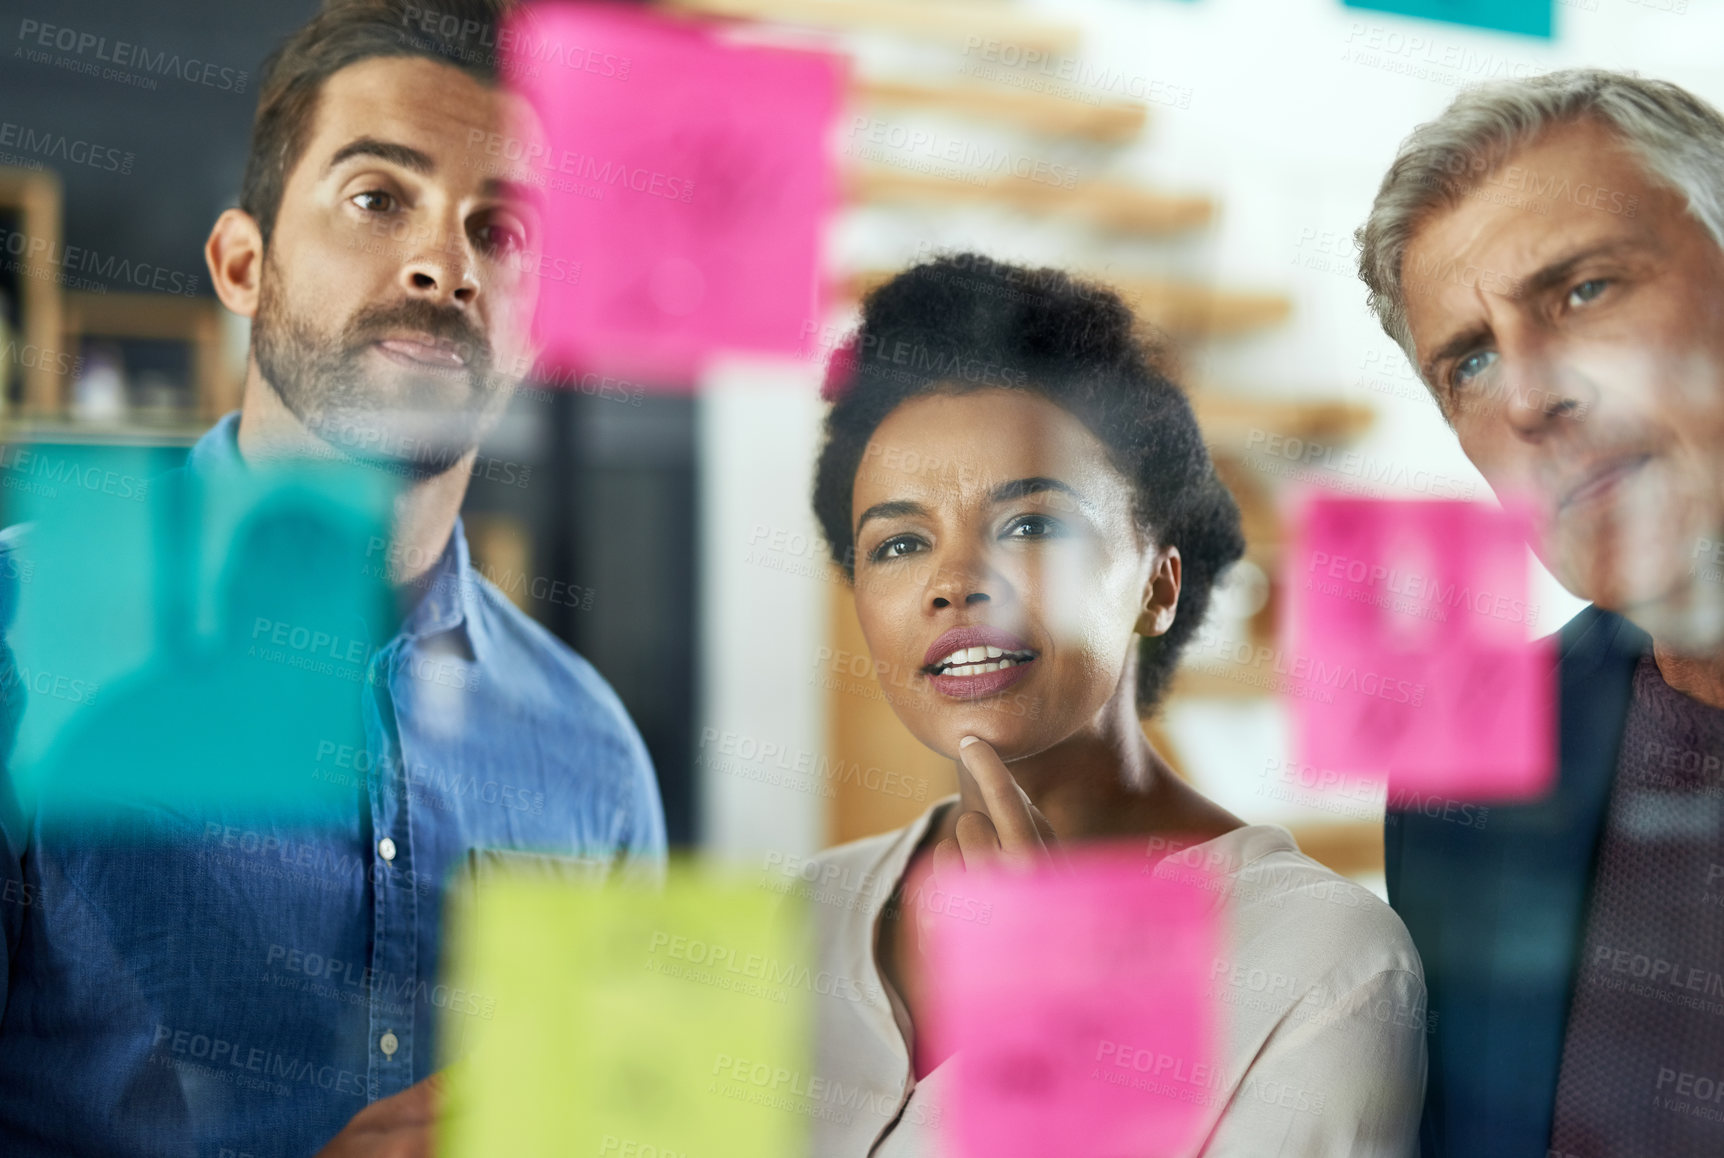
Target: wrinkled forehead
(1577,189)
(469,129)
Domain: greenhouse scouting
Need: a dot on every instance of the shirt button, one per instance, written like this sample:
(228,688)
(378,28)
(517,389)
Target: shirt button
(386,850)
(389,1043)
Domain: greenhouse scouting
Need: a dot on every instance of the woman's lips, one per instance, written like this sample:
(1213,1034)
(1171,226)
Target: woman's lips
(954,661)
(975,687)
(979,636)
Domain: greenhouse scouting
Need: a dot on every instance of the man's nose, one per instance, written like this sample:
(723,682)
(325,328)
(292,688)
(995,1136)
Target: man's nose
(442,270)
(1540,388)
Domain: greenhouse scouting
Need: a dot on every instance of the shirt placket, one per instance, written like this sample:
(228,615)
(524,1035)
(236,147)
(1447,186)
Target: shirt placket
(395,918)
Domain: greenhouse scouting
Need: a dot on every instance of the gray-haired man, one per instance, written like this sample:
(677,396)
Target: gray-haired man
(1550,255)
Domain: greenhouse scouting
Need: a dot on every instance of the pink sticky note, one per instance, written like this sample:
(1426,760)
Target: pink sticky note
(1077,1014)
(687,182)
(1408,650)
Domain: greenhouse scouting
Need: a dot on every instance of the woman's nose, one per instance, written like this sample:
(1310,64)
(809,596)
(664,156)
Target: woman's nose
(961,578)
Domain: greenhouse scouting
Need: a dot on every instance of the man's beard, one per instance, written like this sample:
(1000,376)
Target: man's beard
(418,430)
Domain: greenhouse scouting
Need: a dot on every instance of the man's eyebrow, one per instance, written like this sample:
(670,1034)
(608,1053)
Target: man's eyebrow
(520,192)
(1453,348)
(1553,274)
(896,509)
(1018,488)
(1562,269)
(403,155)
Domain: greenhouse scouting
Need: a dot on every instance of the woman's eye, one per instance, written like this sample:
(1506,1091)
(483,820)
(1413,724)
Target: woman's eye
(374,201)
(1032,527)
(1586,291)
(895,548)
(1471,367)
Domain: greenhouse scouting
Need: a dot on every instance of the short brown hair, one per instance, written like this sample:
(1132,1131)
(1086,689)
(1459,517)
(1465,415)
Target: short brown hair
(461,33)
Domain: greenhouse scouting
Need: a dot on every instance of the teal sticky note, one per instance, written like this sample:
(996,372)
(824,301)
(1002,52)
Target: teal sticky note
(1526,17)
(180,642)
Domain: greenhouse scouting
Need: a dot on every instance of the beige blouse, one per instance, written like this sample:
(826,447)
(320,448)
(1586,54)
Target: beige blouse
(1323,1006)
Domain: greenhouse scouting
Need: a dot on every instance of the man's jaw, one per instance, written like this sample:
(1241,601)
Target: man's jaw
(412,442)
(1629,534)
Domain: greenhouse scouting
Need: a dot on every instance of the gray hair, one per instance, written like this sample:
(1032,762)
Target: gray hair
(1677,136)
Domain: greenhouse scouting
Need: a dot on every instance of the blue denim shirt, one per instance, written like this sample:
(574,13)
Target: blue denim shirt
(226,983)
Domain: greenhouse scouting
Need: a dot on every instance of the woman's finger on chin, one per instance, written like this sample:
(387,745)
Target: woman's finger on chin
(1008,806)
(978,840)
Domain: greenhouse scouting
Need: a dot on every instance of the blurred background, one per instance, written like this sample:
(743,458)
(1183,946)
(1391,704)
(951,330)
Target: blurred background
(1209,158)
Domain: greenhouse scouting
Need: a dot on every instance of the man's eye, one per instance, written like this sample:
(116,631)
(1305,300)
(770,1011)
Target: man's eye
(1586,291)
(374,201)
(500,239)
(1471,367)
(1032,527)
(895,548)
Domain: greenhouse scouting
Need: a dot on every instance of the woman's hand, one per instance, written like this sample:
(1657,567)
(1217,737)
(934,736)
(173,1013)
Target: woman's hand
(999,825)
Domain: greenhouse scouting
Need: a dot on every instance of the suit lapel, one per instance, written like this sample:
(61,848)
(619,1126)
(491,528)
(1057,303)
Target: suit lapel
(1497,908)
(1545,853)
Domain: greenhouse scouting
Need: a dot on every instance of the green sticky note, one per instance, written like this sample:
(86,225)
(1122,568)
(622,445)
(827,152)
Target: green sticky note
(1527,17)
(614,1021)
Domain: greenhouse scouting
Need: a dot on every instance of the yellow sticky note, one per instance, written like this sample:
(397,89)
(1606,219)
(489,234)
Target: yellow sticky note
(619,1017)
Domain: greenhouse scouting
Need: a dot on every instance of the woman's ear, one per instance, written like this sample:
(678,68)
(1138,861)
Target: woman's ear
(1160,595)
(234,254)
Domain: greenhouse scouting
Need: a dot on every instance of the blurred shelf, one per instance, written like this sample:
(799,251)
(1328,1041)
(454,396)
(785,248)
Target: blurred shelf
(35,196)
(1112,205)
(1230,420)
(1111,122)
(195,321)
(139,315)
(957,22)
(117,433)
(1233,423)
(1188,310)
(1182,309)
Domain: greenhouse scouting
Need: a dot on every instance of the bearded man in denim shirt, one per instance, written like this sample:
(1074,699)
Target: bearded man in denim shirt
(224,983)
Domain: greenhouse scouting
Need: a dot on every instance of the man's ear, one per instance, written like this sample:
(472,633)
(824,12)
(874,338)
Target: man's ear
(1160,595)
(234,254)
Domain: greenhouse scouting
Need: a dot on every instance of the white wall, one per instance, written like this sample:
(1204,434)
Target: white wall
(764,617)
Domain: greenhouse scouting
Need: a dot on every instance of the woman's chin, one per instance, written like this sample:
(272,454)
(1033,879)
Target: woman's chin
(1011,740)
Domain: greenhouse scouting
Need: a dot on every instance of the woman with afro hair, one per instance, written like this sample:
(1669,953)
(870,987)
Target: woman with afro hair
(1026,512)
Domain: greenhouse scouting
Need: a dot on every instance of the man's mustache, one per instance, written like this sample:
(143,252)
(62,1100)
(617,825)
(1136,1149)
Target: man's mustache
(441,322)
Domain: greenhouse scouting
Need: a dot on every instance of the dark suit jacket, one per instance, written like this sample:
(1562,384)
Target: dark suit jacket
(1498,911)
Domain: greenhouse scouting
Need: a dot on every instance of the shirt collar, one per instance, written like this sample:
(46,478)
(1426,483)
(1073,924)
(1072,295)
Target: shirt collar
(218,449)
(449,597)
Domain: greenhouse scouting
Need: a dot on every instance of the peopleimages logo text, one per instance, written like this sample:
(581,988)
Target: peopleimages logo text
(78,259)
(124,54)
